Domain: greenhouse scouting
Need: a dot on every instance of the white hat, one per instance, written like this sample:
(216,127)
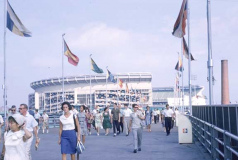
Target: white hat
(19,119)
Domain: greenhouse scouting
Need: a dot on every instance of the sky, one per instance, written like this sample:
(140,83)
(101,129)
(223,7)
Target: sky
(125,35)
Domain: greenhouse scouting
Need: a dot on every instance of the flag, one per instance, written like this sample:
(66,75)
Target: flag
(185,50)
(72,59)
(180,24)
(120,83)
(14,24)
(95,68)
(177,83)
(179,65)
(110,76)
(127,89)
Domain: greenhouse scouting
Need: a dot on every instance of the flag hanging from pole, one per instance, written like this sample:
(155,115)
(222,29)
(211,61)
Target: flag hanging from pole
(95,68)
(179,65)
(110,76)
(185,50)
(72,59)
(177,83)
(120,83)
(180,24)
(14,24)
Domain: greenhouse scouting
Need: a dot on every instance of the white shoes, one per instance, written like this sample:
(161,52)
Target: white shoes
(98,134)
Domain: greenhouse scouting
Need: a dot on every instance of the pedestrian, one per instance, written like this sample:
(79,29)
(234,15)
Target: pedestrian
(115,119)
(74,111)
(14,140)
(135,125)
(1,124)
(31,112)
(31,125)
(121,127)
(148,117)
(154,114)
(45,119)
(89,120)
(126,117)
(37,118)
(106,121)
(13,109)
(158,114)
(168,114)
(67,133)
(163,120)
(98,121)
(82,116)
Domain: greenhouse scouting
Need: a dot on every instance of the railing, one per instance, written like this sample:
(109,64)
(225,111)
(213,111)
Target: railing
(53,121)
(216,127)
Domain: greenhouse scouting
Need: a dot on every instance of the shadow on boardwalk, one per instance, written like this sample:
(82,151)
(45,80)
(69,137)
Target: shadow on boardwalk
(155,145)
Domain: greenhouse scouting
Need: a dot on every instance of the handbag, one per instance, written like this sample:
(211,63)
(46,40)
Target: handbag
(75,126)
(79,149)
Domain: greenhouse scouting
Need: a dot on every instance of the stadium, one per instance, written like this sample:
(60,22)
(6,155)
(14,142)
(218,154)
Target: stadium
(136,88)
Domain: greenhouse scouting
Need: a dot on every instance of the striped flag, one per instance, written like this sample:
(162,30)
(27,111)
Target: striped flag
(110,76)
(120,83)
(72,59)
(179,65)
(180,24)
(95,68)
(14,24)
(185,50)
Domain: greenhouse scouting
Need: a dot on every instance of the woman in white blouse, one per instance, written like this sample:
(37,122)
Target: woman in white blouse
(14,140)
(67,133)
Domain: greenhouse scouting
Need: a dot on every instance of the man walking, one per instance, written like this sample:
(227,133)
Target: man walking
(126,116)
(121,127)
(31,125)
(168,114)
(115,120)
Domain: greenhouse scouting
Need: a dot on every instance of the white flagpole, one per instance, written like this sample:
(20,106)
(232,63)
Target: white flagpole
(106,86)
(182,77)
(63,97)
(189,60)
(4,65)
(178,81)
(90,99)
(117,90)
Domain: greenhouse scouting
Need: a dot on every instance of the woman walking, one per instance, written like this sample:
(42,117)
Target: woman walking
(89,120)
(67,133)
(106,120)
(98,121)
(14,140)
(148,116)
(82,117)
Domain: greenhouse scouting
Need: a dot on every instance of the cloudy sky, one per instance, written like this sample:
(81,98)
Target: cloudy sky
(125,35)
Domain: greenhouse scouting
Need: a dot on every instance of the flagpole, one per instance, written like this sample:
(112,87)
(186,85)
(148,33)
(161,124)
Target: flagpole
(209,62)
(117,90)
(4,65)
(189,61)
(106,86)
(182,77)
(179,80)
(63,67)
(90,86)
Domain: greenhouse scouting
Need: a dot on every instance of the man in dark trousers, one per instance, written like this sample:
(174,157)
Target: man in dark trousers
(168,114)
(121,119)
(115,120)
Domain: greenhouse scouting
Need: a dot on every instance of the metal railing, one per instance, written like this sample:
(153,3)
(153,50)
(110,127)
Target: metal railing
(216,127)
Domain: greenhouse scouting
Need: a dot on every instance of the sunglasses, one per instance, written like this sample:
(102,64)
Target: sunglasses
(21,108)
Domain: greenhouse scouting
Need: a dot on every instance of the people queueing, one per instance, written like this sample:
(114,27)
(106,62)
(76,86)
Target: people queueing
(168,114)
(115,120)
(67,134)
(31,125)
(106,121)
(82,116)
(37,118)
(45,119)
(126,117)
(14,139)
(135,125)
(121,119)
(148,117)
(98,121)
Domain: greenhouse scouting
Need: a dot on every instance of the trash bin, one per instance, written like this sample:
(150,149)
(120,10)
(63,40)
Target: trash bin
(184,129)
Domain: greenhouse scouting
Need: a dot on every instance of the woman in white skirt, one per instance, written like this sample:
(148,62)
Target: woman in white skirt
(98,121)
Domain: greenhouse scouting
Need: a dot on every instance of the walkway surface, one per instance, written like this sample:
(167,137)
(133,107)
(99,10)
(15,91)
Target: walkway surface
(155,145)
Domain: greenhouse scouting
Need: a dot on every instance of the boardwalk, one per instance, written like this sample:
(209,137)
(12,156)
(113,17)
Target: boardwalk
(156,145)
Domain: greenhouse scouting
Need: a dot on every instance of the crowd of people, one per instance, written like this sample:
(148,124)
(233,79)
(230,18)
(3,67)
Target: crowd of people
(75,125)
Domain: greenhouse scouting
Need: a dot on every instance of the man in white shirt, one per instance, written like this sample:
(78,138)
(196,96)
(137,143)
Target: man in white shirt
(126,117)
(45,122)
(154,113)
(168,114)
(31,125)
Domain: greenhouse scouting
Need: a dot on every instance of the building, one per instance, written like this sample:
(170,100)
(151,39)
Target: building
(48,92)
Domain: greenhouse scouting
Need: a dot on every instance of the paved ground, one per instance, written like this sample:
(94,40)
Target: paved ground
(155,145)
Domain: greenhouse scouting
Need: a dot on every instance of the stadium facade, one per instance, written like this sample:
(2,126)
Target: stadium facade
(137,88)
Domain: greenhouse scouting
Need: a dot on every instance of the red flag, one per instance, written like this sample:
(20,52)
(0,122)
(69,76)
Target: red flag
(120,83)
(72,59)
